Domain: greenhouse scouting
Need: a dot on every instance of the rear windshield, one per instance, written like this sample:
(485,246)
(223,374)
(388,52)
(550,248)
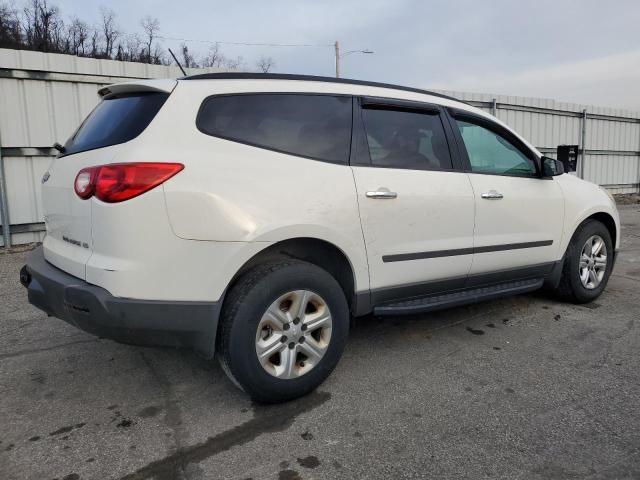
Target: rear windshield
(116,120)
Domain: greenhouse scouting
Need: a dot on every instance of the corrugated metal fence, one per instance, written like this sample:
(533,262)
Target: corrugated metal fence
(44,97)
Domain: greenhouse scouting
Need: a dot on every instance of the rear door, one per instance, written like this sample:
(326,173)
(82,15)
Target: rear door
(416,206)
(519,215)
(121,116)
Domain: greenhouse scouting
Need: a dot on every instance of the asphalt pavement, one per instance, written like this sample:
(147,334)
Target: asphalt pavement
(525,387)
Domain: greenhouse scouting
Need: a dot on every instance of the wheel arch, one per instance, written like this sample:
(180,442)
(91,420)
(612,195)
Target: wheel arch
(608,221)
(603,217)
(321,253)
(608,217)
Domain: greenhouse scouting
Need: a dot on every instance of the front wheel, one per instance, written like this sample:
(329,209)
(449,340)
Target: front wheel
(283,329)
(588,263)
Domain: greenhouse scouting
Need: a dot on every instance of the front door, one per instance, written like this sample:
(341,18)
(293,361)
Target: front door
(519,215)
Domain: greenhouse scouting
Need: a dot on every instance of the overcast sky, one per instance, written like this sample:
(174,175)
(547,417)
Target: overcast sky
(585,51)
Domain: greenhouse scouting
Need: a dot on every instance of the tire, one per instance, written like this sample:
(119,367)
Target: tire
(245,309)
(571,287)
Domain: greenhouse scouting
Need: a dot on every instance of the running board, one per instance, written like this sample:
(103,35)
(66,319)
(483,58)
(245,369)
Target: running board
(461,297)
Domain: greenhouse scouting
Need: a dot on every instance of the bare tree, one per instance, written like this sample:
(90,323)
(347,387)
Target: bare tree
(57,32)
(214,58)
(95,43)
(188,60)
(119,52)
(132,48)
(265,64)
(42,26)
(10,34)
(151,27)
(109,30)
(234,63)
(78,35)
(158,56)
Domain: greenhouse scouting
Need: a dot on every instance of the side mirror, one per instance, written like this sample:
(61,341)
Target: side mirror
(551,167)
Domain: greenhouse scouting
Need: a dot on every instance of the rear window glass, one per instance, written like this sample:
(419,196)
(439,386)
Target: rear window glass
(401,139)
(116,120)
(313,126)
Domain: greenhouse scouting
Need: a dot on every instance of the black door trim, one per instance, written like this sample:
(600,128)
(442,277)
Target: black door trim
(401,257)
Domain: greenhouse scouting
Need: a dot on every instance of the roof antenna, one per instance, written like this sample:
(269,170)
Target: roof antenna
(180,66)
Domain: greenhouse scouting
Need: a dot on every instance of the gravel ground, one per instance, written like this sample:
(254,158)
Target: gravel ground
(524,387)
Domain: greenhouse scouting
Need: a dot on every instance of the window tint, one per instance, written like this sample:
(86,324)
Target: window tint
(315,126)
(116,120)
(403,139)
(491,153)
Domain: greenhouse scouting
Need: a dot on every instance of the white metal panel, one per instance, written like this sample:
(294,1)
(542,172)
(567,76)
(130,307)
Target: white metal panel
(613,135)
(12,121)
(612,170)
(24,175)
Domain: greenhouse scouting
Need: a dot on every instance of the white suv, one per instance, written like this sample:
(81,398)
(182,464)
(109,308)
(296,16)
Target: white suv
(251,216)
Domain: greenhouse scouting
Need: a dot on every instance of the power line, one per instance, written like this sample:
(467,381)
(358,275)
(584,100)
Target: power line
(246,44)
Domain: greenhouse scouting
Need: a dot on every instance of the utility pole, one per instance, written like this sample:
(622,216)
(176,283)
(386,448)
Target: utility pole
(338,55)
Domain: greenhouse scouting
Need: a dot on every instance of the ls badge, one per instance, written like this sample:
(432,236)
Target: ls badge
(45,177)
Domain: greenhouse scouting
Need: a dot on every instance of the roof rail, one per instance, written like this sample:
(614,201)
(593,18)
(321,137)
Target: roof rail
(309,78)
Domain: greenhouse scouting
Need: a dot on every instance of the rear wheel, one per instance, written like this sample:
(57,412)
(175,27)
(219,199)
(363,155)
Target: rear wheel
(588,263)
(283,330)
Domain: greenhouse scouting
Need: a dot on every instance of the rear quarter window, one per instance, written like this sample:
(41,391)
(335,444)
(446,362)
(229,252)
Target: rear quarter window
(312,126)
(116,120)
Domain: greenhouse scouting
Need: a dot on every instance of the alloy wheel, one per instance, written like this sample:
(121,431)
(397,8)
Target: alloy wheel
(593,262)
(293,334)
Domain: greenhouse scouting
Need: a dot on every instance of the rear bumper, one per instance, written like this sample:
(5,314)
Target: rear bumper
(95,310)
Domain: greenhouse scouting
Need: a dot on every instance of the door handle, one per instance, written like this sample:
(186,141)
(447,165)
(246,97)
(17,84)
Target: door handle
(492,195)
(381,194)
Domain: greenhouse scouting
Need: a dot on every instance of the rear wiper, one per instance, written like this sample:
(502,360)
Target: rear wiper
(59,147)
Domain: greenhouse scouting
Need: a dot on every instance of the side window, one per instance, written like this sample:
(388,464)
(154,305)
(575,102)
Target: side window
(314,126)
(489,152)
(406,139)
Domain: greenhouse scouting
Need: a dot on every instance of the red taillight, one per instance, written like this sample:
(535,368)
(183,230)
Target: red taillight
(121,181)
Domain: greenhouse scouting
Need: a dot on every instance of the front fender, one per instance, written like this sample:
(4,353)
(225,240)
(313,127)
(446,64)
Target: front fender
(583,200)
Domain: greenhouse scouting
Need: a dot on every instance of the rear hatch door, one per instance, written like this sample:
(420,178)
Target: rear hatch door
(123,113)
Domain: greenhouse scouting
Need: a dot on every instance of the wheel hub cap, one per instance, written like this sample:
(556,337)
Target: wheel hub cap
(593,262)
(293,334)
(295,331)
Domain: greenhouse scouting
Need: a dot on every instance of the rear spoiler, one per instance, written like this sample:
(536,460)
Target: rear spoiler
(164,85)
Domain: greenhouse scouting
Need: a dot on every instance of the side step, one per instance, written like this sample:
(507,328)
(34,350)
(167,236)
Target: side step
(461,297)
